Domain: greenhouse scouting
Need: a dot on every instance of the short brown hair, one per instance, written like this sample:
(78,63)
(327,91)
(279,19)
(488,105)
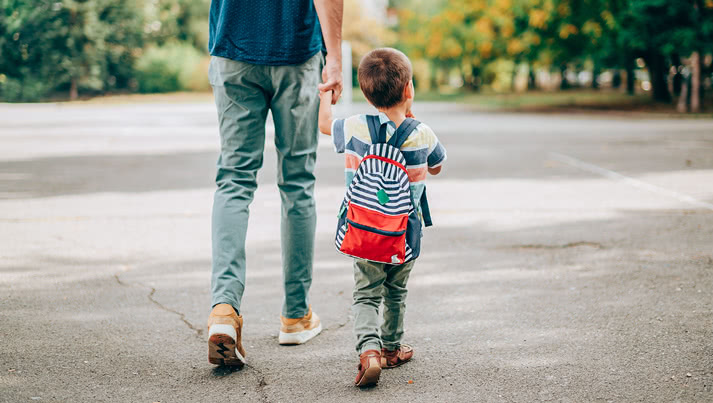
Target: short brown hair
(383,75)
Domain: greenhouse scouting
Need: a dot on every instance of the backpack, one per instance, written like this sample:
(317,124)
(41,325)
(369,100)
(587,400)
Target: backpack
(377,218)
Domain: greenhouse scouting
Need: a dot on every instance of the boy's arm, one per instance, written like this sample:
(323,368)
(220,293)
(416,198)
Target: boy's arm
(325,112)
(437,169)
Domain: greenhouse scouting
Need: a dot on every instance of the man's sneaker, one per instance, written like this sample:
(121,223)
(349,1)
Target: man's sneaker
(369,368)
(224,339)
(299,330)
(394,358)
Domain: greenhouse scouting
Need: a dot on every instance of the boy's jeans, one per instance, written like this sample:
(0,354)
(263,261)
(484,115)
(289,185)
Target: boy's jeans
(243,94)
(372,281)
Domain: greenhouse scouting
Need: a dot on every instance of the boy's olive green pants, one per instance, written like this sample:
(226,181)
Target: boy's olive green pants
(374,282)
(243,95)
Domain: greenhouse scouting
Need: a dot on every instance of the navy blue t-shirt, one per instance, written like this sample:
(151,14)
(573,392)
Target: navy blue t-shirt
(266,32)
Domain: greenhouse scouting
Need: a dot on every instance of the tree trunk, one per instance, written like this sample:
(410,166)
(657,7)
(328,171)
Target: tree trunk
(695,82)
(630,77)
(531,80)
(682,106)
(616,79)
(595,75)
(475,78)
(677,80)
(433,79)
(564,84)
(73,89)
(656,64)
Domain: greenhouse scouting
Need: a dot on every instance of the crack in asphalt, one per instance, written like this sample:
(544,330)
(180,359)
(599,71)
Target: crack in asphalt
(150,296)
(261,383)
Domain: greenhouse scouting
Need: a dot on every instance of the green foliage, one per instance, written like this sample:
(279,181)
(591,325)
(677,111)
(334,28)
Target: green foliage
(167,68)
(32,42)
(475,36)
(91,46)
(177,20)
(49,45)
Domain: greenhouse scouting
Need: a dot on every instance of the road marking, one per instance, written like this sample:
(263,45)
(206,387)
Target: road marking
(629,180)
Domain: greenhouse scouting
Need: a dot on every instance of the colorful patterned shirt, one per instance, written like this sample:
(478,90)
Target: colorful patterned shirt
(422,150)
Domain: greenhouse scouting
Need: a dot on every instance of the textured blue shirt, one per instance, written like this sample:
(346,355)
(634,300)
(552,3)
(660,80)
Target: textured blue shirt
(266,32)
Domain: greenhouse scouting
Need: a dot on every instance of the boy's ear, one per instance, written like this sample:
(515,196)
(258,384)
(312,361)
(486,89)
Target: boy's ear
(408,90)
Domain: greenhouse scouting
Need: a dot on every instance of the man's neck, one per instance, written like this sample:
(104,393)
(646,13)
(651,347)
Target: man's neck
(396,114)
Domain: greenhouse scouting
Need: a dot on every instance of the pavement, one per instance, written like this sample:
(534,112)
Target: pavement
(571,260)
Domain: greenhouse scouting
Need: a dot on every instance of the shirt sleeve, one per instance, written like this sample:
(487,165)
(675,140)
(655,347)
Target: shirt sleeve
(437,153)
(338,136)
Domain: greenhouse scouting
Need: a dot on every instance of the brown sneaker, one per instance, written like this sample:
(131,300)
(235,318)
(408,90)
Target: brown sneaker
(369,368)
(299,330)
(224,339)
(391,359)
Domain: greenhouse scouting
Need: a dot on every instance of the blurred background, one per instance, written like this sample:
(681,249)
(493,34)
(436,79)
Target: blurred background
(604,54)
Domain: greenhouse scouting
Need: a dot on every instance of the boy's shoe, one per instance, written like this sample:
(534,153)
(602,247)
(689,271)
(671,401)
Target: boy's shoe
(224,337)
(369,368)
(299,330)
(400,356)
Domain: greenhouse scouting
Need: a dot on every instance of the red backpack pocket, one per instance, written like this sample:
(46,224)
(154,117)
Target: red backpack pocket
(375,236)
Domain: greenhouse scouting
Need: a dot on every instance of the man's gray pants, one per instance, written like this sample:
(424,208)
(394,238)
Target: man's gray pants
(243,95)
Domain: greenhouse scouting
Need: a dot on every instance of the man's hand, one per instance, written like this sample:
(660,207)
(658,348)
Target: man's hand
(330,18)
(332,78)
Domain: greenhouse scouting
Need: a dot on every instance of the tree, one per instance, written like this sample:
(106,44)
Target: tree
(69,44)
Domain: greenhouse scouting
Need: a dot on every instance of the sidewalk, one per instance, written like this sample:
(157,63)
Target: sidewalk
(540,280)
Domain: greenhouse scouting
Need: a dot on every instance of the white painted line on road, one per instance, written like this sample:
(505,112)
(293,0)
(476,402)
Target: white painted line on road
(629,180)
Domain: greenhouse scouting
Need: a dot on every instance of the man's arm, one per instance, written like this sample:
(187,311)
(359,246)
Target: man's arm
(330,18)
(325,112)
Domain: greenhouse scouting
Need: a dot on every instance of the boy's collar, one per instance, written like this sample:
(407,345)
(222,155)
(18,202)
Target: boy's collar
(385,119)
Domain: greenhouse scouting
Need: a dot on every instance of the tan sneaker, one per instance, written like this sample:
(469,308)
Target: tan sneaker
(224,337)
(299,330)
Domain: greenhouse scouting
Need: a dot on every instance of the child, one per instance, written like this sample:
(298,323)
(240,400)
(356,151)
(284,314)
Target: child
(385,78)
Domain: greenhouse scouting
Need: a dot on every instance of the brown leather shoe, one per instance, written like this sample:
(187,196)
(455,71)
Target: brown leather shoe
(400,356)
(224,337)
(369,368)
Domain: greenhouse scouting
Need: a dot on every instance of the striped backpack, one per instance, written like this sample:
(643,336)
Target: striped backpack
(377,219)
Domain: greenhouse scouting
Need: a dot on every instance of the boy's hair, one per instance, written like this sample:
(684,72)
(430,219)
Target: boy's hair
(383,74)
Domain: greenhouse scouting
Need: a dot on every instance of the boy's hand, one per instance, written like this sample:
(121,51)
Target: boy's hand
(409,114)
(325,111)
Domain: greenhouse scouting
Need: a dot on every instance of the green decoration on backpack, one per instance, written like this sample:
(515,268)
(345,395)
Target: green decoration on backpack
(383,197)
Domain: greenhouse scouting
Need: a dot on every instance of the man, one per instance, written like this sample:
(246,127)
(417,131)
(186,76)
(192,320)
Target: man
(267,55)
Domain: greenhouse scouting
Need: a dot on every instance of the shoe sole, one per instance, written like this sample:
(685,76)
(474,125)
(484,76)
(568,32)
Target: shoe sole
(370,377)
(222,351)
(304,336)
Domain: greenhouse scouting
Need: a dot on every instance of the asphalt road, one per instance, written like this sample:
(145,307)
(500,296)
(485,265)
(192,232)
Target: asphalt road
(571,260)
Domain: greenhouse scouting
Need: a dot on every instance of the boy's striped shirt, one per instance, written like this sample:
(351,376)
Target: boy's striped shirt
(422,150)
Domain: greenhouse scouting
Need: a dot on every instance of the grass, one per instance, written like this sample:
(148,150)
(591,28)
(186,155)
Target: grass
(576,100)
(560,101)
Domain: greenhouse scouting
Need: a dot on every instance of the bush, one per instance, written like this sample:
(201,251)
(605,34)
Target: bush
(28,89)
(172,67)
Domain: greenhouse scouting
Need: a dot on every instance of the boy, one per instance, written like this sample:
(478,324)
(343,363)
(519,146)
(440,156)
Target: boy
(385,78)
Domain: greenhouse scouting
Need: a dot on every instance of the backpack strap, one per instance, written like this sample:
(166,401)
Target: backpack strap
(404,130)
(377,131)
(425,211)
